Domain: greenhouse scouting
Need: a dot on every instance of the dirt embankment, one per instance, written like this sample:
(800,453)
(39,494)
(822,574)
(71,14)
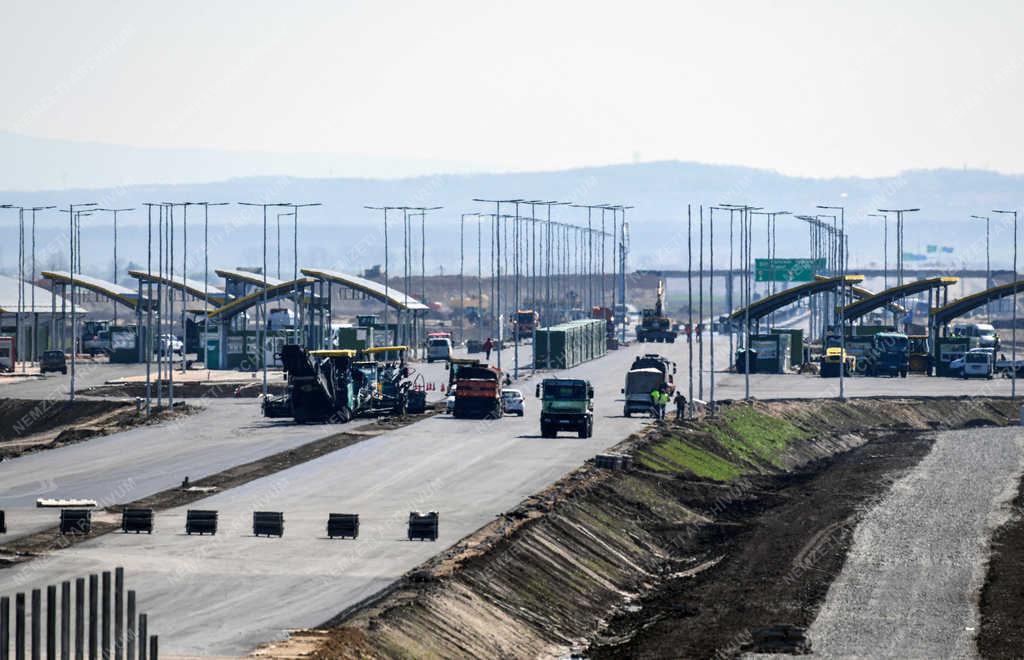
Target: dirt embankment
(188,390)
(33,425)
(1002,598)
(723,527)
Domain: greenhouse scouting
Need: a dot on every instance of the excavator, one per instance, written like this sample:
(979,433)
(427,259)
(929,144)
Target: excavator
(654,325)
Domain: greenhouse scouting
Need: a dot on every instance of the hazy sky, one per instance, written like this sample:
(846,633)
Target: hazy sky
(811,87)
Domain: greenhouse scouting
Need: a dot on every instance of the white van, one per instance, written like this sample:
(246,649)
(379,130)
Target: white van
(439,348)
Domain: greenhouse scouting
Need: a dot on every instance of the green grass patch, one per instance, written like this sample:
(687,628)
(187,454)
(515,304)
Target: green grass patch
(676,455)
(754,436)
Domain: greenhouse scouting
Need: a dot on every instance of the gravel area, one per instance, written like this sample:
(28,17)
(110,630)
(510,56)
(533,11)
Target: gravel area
(910,584)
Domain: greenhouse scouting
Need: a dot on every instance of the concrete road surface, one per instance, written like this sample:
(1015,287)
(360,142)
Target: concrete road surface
(911,581)
(126,466)
(225,594)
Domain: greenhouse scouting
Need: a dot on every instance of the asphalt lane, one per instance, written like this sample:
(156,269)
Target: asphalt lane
(225,594)
(126,466)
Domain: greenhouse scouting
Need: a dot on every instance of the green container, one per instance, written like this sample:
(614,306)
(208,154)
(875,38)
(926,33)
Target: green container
(796,344)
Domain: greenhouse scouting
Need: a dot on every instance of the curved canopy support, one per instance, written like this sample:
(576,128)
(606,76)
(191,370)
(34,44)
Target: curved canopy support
(775,302)
(888,297)
(194,288)
(239,305)
(941,316)
(111,290)
(394,298)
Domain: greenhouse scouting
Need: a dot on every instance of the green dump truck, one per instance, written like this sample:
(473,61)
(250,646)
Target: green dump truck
(567,404)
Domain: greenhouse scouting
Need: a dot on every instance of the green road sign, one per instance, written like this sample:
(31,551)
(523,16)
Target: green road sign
(787,270)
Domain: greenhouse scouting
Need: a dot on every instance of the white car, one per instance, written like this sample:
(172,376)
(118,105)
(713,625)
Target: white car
(978,363)
(512,402)
(170,343)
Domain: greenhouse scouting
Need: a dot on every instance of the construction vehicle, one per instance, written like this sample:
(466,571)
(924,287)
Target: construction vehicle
(567,404)
(647,373)
(889,355)
(526,321)
(834,358)
(920,354)
(654,325)
(339,384)
(608,316)
(439,346)
(477,389)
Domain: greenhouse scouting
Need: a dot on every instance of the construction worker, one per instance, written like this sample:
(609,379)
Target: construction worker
(663,400)
(680,406)
(488,346)
(656,403)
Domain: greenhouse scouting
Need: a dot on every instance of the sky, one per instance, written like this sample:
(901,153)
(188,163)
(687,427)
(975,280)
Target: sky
(812,88)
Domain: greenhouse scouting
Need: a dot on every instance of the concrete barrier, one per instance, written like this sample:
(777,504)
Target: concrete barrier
(137,520)
(75,521)
(423,526)
(343,525)
(268,523)
(200,521)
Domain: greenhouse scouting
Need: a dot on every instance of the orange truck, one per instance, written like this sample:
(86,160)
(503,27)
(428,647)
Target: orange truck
(477,390)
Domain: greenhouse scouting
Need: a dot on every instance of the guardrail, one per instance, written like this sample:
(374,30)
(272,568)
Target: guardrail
(103,628)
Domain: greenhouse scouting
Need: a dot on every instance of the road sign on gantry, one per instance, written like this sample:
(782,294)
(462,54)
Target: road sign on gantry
(787,270)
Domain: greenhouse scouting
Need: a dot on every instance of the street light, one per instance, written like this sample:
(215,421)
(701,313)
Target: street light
(1013,339)
(115,212)
(206,280)
(899,239)
(72,221)
(885,247)
(745,226)
(842,294)
(988,262)
(263,324)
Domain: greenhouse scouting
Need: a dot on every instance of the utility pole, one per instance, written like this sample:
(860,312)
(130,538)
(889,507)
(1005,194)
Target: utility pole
(689,304)
(72,221)
(262,332)
(746,238)
(842,295)
(1013,339)
(114,280)
(988,263)
(497,212)
(899,240)
(885,247)
(206,280)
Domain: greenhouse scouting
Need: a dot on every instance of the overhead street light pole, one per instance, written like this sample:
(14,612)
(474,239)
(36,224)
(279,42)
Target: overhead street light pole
(72,219)
(206,280)
(746,239)
(263,322)
(842,295)
(899,239)
(497,211)
(1013,331)
(885,247)
(114,280)
(988,262)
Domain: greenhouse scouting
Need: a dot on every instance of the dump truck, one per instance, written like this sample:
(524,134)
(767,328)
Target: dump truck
(339,384)
(477,389)
(654,325)
(567,404)
(647,373)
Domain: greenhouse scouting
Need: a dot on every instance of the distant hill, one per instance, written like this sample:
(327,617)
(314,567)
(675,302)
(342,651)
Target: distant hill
(343,234)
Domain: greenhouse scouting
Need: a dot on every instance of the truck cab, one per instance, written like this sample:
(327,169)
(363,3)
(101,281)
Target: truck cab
(836,358)
(567,404)
(439,347)
(647,373)
(890,354)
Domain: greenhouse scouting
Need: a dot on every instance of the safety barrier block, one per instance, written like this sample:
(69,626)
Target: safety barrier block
(343,525)
(200,521)
(268,523)
(423,526)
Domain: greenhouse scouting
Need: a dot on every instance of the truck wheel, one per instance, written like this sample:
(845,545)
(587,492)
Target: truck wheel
(671,340)
(903,374)
(546,432)
(344,415)
(626,413)
(64,371)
